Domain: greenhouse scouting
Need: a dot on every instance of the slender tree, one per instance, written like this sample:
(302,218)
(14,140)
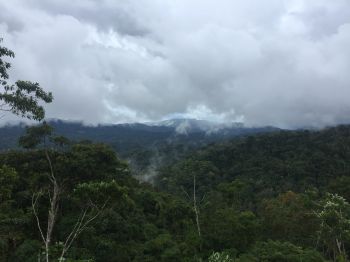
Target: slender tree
(334,231)
(93,201)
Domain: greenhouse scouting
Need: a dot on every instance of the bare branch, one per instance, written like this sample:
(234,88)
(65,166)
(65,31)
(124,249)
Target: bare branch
(80,225)
(203,198)
(52,176)
(34,201)
(188,196)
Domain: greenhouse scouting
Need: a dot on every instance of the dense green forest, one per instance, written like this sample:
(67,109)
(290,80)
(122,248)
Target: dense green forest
(274,197)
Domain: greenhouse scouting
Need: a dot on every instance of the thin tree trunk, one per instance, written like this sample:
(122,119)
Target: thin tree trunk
(52,214)
(195,208)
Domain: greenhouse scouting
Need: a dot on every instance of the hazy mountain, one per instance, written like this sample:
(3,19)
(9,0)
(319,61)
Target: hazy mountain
(125,137)
(145,145)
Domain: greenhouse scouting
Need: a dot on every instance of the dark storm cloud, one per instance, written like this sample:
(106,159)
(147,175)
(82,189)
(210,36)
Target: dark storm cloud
(283,63)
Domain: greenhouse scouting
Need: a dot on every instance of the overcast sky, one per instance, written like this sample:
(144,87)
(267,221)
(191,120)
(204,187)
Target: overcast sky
(272,62)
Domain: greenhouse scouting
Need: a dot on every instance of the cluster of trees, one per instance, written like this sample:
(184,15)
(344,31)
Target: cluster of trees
(83,205)
(286,191)
(78,202)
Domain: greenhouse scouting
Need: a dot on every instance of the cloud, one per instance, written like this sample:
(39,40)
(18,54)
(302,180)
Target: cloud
(282,63)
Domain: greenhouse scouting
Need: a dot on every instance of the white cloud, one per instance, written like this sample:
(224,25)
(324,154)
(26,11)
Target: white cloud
(272,62)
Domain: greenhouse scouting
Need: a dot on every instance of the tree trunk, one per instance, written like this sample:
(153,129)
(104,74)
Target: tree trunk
(195,208)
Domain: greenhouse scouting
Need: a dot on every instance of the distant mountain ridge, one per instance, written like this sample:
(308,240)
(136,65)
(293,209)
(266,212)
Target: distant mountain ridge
(146,146)
(122,136)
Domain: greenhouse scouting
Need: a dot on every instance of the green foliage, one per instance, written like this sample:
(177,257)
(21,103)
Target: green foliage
(99,193)
(24,97)
(261,198)
(4,66)
(35,135)
(282,216)
(220,257)
(225,228)
(8,178)
(182,177)
(238,194)
(270,164)
(334,233)
(162,248)
(61,141)
(28,250)
(276,251)
(278,179)
(135,219)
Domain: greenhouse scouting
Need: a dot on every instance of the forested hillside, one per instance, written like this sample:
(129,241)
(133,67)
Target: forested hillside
(273,197)
(145,146)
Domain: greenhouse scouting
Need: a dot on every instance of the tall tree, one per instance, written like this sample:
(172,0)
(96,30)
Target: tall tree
(92,201)
(334,232)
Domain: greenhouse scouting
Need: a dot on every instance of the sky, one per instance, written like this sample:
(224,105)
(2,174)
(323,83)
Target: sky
(284,63)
